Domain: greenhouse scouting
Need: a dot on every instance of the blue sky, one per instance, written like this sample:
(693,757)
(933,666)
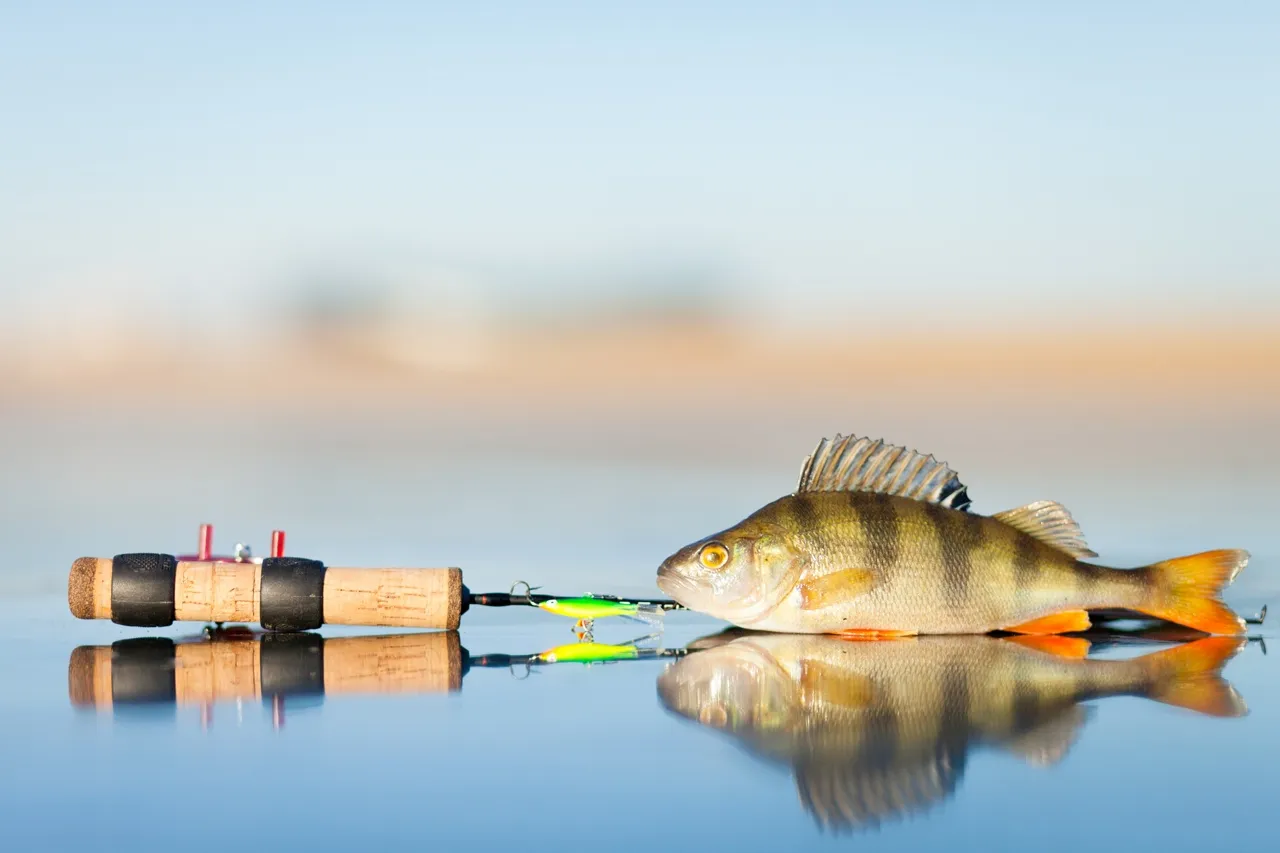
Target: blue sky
(1024,156)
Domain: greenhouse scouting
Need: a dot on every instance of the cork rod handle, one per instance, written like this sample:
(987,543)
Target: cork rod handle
(230,591)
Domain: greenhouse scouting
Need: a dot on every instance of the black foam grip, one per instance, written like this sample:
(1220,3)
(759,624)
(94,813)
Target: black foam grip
(142,671)
(142,589)
(292,665)
(292,596)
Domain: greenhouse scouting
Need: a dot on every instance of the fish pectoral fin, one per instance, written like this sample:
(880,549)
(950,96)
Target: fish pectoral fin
(1056,623)
(1067,648)
(1051,740)
(833,685)
(835,588)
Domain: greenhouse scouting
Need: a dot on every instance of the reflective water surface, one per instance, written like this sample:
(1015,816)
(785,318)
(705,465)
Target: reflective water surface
(511,735)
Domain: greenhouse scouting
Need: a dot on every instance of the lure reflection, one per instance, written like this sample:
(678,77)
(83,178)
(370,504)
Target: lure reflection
(879,730)
(238,665)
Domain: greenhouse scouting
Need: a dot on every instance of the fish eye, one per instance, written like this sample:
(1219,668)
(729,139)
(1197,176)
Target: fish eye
(713,555)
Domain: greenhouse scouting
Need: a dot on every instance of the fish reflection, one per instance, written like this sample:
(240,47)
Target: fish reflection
(879,730)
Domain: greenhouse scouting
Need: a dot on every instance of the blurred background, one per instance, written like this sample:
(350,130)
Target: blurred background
(548,290)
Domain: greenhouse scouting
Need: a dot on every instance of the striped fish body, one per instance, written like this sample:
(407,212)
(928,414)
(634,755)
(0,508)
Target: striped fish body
(933,570)
(874,730)
(879,540)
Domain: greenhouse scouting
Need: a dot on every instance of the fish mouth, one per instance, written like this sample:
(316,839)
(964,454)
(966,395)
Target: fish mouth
(669,692)
(676,585)
(683,691)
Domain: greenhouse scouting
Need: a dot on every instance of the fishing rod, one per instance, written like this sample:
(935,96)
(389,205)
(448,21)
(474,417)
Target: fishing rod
(285,593)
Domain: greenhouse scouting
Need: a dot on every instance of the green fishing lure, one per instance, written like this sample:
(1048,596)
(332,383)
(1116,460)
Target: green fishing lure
(589,652)
(583,608)
(591,608)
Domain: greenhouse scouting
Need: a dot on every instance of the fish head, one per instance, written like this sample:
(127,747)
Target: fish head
(739,574)
(738,688)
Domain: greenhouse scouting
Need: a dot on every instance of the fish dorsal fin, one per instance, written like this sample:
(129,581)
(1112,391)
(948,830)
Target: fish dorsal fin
(849,796)
(1049,522)
(1048,743)
(848,463)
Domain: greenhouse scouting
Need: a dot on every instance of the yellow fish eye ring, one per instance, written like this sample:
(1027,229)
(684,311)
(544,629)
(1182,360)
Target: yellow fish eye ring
(713,555)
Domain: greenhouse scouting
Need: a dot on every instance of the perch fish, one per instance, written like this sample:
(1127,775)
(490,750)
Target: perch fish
(878,540)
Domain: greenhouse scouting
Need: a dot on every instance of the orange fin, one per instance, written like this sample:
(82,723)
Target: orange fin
(1186,591)
(1189,676)
(835,588)
(870,634)
(1068,648)
(1057,623)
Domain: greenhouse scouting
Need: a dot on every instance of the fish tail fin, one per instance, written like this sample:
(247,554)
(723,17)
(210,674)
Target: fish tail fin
(1187,590)
(1190,676)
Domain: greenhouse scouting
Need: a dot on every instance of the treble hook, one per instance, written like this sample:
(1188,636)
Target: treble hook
(528,590)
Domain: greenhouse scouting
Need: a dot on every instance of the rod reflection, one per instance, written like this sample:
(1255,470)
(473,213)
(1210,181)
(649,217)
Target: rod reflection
(239,664)
(879,730)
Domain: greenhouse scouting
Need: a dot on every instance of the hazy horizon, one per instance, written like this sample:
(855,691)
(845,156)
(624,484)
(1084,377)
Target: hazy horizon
(819,166)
